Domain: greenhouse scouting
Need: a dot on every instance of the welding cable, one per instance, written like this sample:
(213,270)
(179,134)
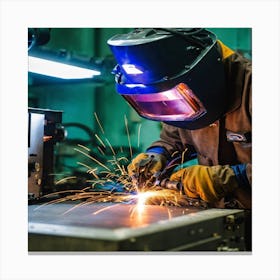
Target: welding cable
(84,128)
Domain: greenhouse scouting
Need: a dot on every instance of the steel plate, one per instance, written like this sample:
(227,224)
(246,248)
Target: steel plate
(114,221)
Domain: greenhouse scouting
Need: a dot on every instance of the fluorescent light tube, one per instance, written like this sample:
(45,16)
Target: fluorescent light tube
(58,69)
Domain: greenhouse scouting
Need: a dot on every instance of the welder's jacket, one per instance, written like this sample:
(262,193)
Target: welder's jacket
(228,140)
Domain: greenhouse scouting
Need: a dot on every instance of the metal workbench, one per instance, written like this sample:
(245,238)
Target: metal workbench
(113,227)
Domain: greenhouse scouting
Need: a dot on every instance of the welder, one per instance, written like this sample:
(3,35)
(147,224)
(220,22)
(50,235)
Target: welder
(200,91)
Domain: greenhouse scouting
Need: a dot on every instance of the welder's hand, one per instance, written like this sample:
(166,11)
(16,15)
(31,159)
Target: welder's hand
(210,183)
(151,163)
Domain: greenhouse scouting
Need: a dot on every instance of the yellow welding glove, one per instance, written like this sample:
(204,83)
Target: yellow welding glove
(210,183)
(154,163)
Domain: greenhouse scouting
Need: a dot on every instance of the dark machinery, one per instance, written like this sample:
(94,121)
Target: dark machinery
(44,131)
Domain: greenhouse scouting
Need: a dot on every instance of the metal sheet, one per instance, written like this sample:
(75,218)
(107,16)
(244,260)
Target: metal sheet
(103,219)
(154,228)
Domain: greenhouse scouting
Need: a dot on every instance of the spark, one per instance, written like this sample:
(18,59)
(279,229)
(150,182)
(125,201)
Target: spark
(108,142)
(97,119)
(123,158)
(94,159)
(85,165)
(174,153)
(100,150)
(77,206)
(65,179)
(128,137)
(183,155)
(104,209)
(84,147)
(100,141)
(138,138)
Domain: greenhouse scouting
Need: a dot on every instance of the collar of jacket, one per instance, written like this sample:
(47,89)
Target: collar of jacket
(226,51)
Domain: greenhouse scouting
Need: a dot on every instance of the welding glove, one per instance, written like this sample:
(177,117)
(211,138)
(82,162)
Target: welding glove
(209,183)
(151,162)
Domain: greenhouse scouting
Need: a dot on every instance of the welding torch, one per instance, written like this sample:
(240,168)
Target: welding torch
(171,185)
(162,180)
(174,185)
(144,173)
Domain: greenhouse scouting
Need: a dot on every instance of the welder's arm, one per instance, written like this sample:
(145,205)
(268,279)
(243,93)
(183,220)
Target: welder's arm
(211,183)
(170,140)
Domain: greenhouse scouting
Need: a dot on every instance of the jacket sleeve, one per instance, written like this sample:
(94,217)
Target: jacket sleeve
(243,174)
(170,140)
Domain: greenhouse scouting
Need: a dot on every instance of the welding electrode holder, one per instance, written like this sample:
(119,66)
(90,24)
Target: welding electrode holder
(171,185)
(175,185)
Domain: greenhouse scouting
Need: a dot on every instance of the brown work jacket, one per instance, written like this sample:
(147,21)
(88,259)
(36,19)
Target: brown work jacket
(227,141)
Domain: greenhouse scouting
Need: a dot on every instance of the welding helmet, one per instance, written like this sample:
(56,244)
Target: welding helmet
(171,75)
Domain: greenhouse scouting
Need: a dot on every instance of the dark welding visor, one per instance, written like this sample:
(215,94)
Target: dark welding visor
(176,104)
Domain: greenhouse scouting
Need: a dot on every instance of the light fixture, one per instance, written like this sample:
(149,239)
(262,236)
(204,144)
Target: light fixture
(61,64)
(58,69)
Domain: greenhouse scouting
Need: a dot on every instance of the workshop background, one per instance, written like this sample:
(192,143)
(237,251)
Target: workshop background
(83,100)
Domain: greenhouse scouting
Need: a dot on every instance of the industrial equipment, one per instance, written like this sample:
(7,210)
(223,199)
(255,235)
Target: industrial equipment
(44,131)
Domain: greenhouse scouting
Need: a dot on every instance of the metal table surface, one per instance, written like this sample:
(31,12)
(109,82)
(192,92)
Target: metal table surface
(118,226)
